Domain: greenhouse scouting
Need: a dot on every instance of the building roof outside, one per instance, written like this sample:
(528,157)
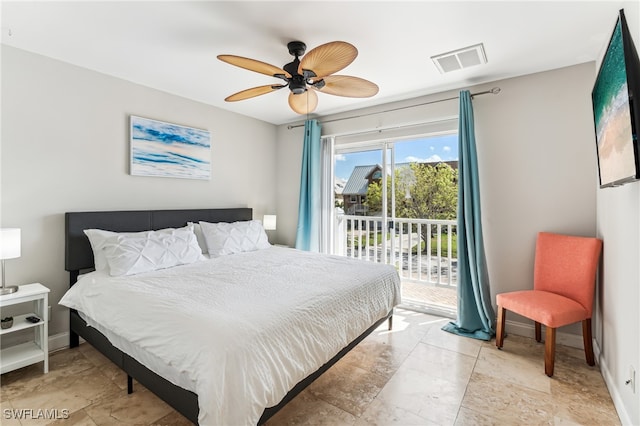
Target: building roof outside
(358,183)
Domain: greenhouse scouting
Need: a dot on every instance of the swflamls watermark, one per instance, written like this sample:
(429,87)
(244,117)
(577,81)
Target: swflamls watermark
(37,414)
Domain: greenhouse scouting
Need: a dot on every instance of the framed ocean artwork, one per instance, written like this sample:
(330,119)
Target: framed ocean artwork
(169,150)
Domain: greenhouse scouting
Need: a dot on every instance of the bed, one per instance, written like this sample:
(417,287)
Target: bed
(227,340)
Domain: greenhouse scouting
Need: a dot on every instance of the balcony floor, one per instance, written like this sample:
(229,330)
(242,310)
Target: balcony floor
(428,297)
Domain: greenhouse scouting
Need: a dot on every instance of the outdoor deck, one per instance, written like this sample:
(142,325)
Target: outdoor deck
(424,297)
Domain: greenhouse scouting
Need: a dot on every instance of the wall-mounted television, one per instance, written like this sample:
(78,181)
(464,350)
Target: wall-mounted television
(616,109)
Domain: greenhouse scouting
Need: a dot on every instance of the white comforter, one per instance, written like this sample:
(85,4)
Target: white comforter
(240,330)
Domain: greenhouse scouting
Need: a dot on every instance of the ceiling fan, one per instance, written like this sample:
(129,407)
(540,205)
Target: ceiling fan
(304,77)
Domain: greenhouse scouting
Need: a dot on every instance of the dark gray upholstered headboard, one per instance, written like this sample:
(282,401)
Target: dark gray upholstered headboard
(78,254)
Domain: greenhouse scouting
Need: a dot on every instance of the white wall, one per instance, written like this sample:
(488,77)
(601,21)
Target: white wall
(65,147)
(618,332)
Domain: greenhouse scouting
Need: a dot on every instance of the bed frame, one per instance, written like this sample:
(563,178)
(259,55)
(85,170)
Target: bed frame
(79,257)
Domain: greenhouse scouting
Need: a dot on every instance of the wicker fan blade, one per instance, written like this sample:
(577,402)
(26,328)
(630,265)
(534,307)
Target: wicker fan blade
(253,92)
(304,103)
(253,65)
(351,87)
(328,58)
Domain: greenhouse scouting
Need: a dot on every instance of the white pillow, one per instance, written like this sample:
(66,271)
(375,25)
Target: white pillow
(97,239)
(228,238)
(128,255)
(197,229)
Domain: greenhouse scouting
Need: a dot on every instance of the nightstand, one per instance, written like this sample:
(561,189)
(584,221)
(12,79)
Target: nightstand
(18,356)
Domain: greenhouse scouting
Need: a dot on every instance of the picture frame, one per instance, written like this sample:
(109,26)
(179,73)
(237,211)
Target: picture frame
(162,149)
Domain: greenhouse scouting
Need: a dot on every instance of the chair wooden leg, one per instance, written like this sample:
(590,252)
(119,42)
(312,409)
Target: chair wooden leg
(549,351)
(500,327)
(588,341)
(538,331)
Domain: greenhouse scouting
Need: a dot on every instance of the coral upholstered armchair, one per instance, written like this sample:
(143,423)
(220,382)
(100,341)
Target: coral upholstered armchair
(563,287)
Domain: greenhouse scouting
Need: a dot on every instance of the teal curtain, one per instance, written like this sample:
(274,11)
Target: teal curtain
(475,311)
(308,234)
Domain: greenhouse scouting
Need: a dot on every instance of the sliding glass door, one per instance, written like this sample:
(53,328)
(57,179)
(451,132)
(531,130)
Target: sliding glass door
(395,202)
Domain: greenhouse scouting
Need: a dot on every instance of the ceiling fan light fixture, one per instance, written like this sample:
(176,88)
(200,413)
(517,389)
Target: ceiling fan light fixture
(297,85)
(297,90)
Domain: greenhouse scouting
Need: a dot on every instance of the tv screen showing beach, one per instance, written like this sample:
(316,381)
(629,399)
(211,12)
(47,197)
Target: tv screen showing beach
(612,115)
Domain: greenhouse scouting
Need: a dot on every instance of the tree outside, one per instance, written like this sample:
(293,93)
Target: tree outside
(423,191)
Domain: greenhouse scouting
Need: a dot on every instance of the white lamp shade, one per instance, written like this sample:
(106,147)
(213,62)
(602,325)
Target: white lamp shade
(269,222)
(9,243)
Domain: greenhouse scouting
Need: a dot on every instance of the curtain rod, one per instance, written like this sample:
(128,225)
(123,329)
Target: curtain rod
(493,91)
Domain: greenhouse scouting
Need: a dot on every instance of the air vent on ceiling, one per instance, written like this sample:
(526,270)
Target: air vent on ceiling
(461,58)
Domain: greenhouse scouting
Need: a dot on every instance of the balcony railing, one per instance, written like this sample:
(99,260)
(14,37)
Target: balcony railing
(423,250)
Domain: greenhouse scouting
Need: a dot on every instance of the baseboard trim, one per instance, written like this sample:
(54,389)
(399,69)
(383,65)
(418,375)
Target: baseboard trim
(59,341)
(596,351)
(625,419)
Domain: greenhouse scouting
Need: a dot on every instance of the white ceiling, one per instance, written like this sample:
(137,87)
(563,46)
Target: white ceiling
(172,46)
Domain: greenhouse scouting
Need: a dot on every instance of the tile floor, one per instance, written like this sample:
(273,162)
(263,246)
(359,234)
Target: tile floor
(414,375)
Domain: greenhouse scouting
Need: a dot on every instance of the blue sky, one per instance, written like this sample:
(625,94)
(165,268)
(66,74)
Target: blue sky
(431,149)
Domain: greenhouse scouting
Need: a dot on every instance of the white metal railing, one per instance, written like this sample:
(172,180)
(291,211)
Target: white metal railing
(358,209)
(431,260)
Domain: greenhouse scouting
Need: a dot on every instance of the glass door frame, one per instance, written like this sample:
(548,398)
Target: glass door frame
(387,149)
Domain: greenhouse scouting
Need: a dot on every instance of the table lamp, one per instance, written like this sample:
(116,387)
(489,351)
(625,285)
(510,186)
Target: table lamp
(269,222)
(9,249)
